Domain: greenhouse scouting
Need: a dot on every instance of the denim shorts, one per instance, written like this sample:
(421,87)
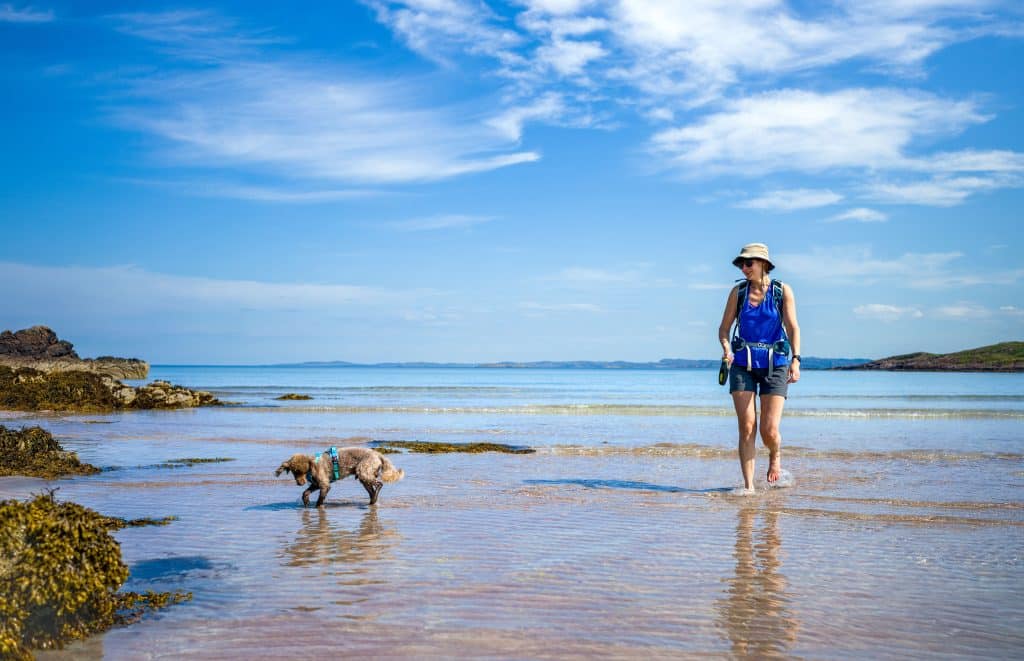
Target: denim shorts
(758,381)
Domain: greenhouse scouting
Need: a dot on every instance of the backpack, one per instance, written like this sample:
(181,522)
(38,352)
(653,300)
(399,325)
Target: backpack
(738,343)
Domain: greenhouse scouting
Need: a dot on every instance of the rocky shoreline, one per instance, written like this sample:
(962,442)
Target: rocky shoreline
(40,372)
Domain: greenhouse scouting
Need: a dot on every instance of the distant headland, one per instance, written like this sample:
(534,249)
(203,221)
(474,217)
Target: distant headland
(1002,357)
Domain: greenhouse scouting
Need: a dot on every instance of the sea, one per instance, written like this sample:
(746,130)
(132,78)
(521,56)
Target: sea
(899,532)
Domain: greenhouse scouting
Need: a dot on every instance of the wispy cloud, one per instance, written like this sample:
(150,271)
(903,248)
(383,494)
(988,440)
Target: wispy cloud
(791,200)
(254,193)
(531,306)
(966,311)
(133,290)
(916,270)
(938,191)
(859,215)
(885,312)
(796,130)
(438,29)
(586,277)
(439,222)
(25,14)
(255,108)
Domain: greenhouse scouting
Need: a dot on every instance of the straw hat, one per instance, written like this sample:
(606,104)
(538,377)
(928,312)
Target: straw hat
(754,251)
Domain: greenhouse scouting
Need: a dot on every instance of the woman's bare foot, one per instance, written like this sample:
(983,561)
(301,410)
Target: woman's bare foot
(774,466)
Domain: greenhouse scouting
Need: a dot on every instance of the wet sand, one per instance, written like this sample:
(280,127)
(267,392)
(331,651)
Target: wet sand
(575,551)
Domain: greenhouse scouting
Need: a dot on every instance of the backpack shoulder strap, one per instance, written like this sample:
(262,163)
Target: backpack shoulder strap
(741,297)
(778,293)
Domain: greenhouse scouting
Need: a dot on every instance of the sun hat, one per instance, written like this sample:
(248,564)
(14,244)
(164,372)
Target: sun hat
(754,251)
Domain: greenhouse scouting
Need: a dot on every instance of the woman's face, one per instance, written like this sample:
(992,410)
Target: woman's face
(752,268)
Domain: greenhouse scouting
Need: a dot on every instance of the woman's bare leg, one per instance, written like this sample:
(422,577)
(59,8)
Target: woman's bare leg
(771,416)
(746,417)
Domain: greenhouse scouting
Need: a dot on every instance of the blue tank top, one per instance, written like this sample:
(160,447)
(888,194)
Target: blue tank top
(762,323)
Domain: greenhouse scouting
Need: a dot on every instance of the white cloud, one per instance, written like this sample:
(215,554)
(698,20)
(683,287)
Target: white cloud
(939,191)
(11,14)
(883,312)
(509,123)
(963,311)
(437,29)
(559,307)
(302,119)
(695,49)
(568,57)
(915,270)
(584,277)
(440,222)
(859,215)
(126,289)
(795,130)
(558,6)
(858,262)
(792,200)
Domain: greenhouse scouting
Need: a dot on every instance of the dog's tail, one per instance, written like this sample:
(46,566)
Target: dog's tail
(390,473)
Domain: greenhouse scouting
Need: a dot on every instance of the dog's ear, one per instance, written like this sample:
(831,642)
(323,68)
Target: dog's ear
(286,466)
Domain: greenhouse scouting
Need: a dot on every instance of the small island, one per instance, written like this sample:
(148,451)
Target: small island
(1002,357)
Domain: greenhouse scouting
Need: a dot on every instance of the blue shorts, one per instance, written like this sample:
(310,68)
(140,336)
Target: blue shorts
(758,381)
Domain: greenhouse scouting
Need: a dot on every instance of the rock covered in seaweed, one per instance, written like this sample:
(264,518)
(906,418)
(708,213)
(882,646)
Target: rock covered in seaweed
(60,572)
(33,452)
(27,389)
(39,347)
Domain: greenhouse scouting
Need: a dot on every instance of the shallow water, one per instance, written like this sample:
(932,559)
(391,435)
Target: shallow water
(902,534)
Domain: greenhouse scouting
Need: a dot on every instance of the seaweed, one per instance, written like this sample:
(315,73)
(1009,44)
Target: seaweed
(428,447)
(60,572)
(33,452)
(188,461)
(27,389)
(293,397)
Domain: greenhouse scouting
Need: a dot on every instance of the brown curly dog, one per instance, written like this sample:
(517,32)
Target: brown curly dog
(370,467)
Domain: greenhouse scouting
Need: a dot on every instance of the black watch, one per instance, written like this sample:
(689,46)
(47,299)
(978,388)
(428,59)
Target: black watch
(796,356)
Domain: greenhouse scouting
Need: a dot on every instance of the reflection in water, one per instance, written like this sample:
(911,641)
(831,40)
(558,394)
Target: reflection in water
(755,612)
(319,542)
(350,559)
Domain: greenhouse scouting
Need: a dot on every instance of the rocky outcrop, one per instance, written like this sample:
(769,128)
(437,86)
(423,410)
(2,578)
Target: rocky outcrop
(38,342)
(40,348)
(27,389)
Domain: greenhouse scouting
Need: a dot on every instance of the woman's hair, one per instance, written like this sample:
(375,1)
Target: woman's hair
(767,266)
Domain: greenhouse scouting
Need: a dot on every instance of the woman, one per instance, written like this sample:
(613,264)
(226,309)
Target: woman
(760,364)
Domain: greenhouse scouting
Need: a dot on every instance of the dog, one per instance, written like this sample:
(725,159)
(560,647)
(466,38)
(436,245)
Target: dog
(370,467)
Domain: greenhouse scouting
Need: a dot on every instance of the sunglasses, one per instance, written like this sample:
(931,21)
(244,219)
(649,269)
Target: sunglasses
(744,262)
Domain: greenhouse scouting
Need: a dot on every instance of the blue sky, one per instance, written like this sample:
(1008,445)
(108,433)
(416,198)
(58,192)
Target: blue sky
(465,180)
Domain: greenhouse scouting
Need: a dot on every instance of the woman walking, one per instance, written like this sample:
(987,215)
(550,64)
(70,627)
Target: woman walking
(758,356)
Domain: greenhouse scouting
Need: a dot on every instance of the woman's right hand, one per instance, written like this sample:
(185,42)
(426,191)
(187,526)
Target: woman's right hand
(728,358)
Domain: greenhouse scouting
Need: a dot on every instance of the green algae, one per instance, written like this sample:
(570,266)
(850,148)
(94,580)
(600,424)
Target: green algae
(293,397)
(60,572)
(428,447)
(33,452)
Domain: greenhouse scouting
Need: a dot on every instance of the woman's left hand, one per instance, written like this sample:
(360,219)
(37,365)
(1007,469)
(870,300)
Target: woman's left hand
(794,372)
